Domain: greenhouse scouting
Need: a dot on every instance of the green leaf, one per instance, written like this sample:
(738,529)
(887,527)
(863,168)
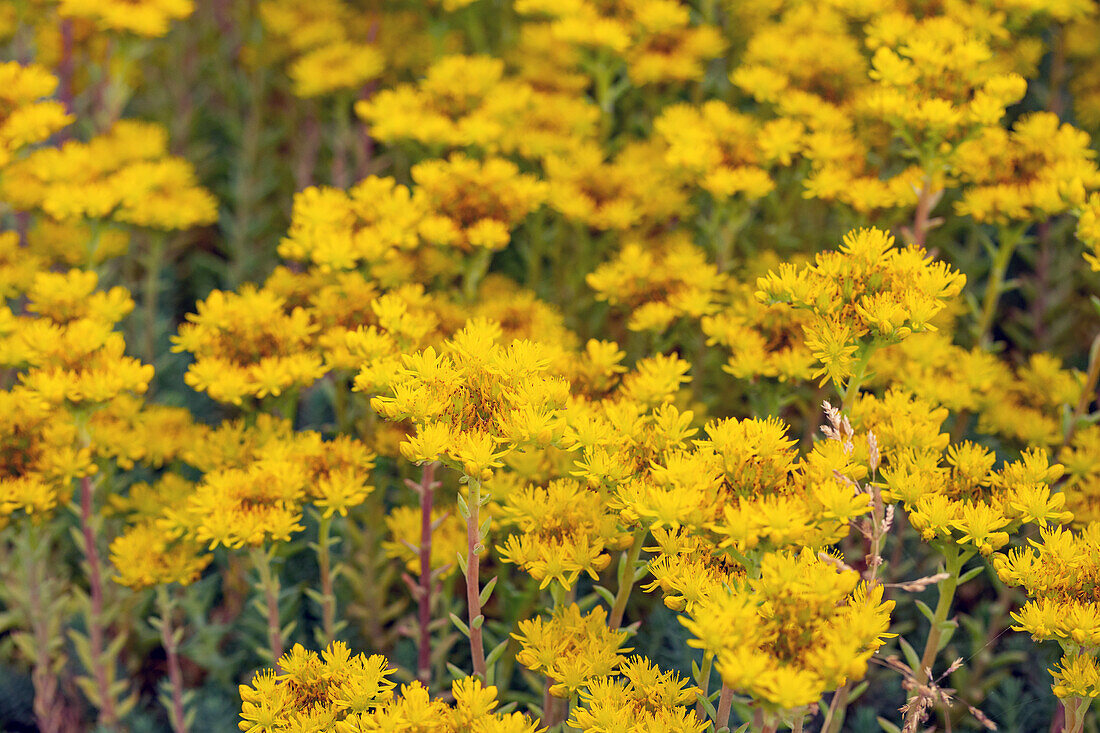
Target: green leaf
(887,726)
(857,691)
(461,626)
(605,594)
(496,653)
(924,609)
(971,574)
(911,656)
(487,591)
(948,631)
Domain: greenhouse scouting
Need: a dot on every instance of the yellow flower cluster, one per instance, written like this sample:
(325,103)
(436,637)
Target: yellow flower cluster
(70,352)
(654,39)
(248,344)
(798,630)
(42,459)
(329,45)
(353,694)
(475,204)
(969,502)
(466,101)
(474,401)
(865,295)
(639,698)
(124,175)
(146,18)
(1026,174)
(256,493)
(562,531)
(26,117)
(372,223)
(658,287)
(622,193)
(725,152)
(1059,574)
(763,340)
(570,648)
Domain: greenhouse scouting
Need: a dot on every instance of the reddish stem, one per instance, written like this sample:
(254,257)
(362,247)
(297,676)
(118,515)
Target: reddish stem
(473,578)
(65,66)
(48,709)
(175,672)
(922,216)
(107,716)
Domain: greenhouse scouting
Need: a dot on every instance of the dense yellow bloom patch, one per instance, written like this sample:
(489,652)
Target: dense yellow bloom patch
(577,259)
(474,401)
(798,630)
(866,294)
(124,175)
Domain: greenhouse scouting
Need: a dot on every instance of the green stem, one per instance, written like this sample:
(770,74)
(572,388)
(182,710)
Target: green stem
(424,597)
(45,625)
(627,576)
(834,718)
(858,374)
(341,113)
(476,267)
(704,684)
(340,402)
(324,562)
(953,562)
(1088,391)
(1075,709)
(97,633)
(1008,239)
(170,639)
(153,256)
(602,72)
(269,586)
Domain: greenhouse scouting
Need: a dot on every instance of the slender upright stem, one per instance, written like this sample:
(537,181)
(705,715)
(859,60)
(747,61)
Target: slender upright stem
(858,374)
(554,709)
(324,562)
(473,577)
(704,684)
(627,576)
(1075,709)
(153,256)
(834,717)
(308,144)
(108,718)
(602,76)
(922,217)
(47,701)
(424,599)
(1008,240)
(341,111)
(169,639)
(725,701)
(953,562)
(269,586)
(65,66)
(1088,391)
(477,265)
